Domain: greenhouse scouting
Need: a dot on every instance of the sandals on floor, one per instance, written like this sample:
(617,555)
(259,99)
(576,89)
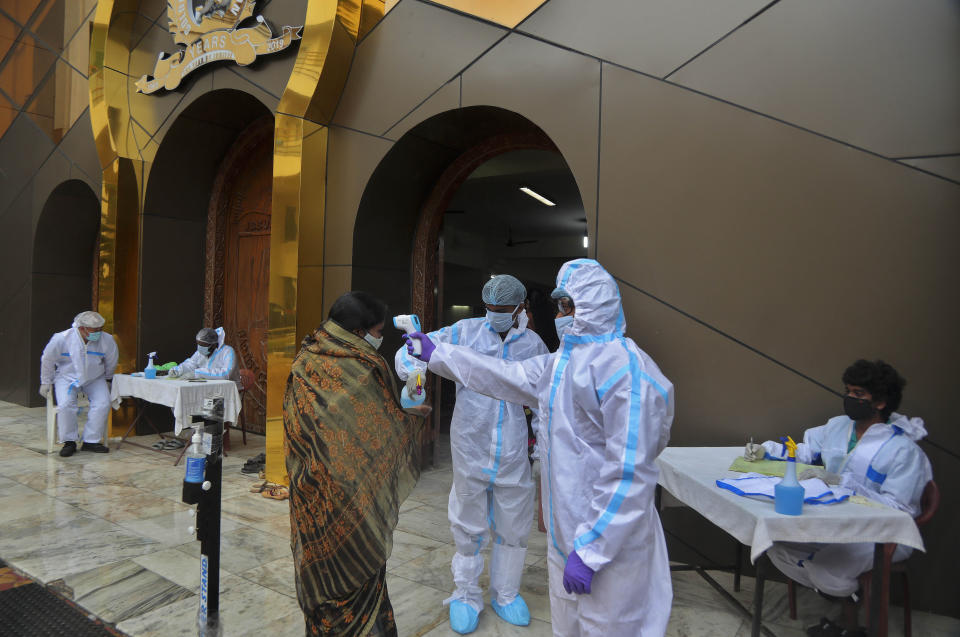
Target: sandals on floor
(276,492)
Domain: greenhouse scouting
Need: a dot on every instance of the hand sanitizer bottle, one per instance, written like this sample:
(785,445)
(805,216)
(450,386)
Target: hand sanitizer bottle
(788,494)
(150,371)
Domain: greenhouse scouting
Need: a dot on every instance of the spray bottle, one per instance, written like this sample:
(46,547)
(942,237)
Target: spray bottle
(150,371)
(788,494)
(406,400)
(409,323)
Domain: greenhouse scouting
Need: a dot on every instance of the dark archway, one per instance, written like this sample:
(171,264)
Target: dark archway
(64,260)
(400,218)
(178,292)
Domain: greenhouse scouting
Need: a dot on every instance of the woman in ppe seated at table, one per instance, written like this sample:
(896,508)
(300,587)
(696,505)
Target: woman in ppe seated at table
(212,360)
(606,416)
(872,450)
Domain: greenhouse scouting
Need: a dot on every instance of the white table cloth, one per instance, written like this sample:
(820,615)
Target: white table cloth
(184,397)
(690,475)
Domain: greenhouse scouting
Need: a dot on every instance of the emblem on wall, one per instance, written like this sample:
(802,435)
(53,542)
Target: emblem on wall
(208,33)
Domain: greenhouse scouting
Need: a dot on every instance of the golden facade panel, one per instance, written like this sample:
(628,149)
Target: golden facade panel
(27,66)
(21,10)
(508,13)
(9,31)
(59,101)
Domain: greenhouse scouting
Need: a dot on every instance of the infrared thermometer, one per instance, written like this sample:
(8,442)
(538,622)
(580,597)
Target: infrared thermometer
(409,323)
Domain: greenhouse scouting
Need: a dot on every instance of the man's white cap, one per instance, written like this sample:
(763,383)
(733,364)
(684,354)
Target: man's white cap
(89,319)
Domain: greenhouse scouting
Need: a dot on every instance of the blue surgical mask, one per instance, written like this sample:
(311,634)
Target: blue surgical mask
(93,337)
(563,324)
(373,340)
(204,350)
(500,321)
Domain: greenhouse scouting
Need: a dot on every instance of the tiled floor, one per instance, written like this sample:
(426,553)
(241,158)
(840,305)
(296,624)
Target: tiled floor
(109,531)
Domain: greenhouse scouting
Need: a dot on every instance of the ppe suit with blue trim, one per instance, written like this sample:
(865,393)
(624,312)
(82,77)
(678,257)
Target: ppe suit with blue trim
(492,496)
(221,364)
(886,466)
(605,415)
(71,365)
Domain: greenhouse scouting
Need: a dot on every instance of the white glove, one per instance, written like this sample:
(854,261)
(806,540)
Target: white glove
(44,389)
(754,452)
(173,372)
(412,384)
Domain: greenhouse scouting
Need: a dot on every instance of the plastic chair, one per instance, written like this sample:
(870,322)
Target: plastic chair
(247,381)
(52,411)
(929,503)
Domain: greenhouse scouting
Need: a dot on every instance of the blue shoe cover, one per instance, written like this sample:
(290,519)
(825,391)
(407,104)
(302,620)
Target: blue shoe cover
(516,612)
(463,619)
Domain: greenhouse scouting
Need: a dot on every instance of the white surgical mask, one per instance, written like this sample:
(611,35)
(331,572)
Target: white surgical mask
(204,350)
(500,321)
(563,324)
(373,340)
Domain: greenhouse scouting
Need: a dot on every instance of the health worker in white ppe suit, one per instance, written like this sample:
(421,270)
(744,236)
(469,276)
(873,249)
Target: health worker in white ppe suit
(606,411)
(212,359)
(492,496)
(81,358)
(872,450)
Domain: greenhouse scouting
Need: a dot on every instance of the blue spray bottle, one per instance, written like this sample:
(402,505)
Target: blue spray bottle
(788,494)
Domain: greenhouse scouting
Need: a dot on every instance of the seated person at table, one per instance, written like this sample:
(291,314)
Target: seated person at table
(875,453)
(81,358)
(212,360)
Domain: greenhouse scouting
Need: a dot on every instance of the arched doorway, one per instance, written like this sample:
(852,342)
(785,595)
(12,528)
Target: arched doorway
(206,235)
(466,158)
(64,261)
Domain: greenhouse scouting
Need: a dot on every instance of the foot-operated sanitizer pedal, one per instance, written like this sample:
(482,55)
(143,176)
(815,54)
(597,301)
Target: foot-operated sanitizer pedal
(202,486)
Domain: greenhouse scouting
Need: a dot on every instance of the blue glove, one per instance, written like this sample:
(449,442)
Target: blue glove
(426,345)
(577,575)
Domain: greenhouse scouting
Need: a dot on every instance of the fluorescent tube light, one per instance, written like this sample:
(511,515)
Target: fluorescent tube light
(537,196)
(586,241)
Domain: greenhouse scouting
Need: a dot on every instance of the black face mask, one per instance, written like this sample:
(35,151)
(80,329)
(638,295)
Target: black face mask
(857,408)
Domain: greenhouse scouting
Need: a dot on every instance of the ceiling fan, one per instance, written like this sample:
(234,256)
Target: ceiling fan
(510,242)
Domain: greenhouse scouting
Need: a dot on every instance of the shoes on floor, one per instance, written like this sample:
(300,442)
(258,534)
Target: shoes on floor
(255,464)
(827,628)
(95,447)
(516,612)
(69,448)
(463,619)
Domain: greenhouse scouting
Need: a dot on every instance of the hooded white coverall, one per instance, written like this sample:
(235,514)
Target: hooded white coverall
(886,466)
(71,365)
(220,365)
(606,411)
(492,492)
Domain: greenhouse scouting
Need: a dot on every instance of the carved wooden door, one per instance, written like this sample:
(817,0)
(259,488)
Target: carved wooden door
(240,212)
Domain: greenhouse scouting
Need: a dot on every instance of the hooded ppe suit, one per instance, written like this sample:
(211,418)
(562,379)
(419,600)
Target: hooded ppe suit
(71,365)
(606,411)
(220,365)
(492,489)
(886,466)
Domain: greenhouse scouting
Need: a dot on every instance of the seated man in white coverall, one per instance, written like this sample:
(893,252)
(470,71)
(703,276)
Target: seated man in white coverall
(81,358)
(872,450)
(492,492)
(606,411)
(212,359)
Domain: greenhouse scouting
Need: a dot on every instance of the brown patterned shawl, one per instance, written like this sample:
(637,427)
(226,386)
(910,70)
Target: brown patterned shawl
(353,455)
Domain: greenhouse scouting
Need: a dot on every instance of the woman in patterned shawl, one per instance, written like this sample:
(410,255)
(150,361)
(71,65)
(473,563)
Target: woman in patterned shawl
(353,455)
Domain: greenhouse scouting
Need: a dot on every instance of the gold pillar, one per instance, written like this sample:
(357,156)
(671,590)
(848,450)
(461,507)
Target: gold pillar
(300,138)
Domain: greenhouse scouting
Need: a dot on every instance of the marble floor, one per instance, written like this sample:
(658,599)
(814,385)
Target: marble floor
(109,531)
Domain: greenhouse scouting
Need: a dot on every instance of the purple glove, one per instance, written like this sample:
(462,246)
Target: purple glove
(426,345)
(577,575)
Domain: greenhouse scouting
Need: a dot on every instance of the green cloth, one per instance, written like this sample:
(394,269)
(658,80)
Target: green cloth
(352,455)
(766,467)
(166,366)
